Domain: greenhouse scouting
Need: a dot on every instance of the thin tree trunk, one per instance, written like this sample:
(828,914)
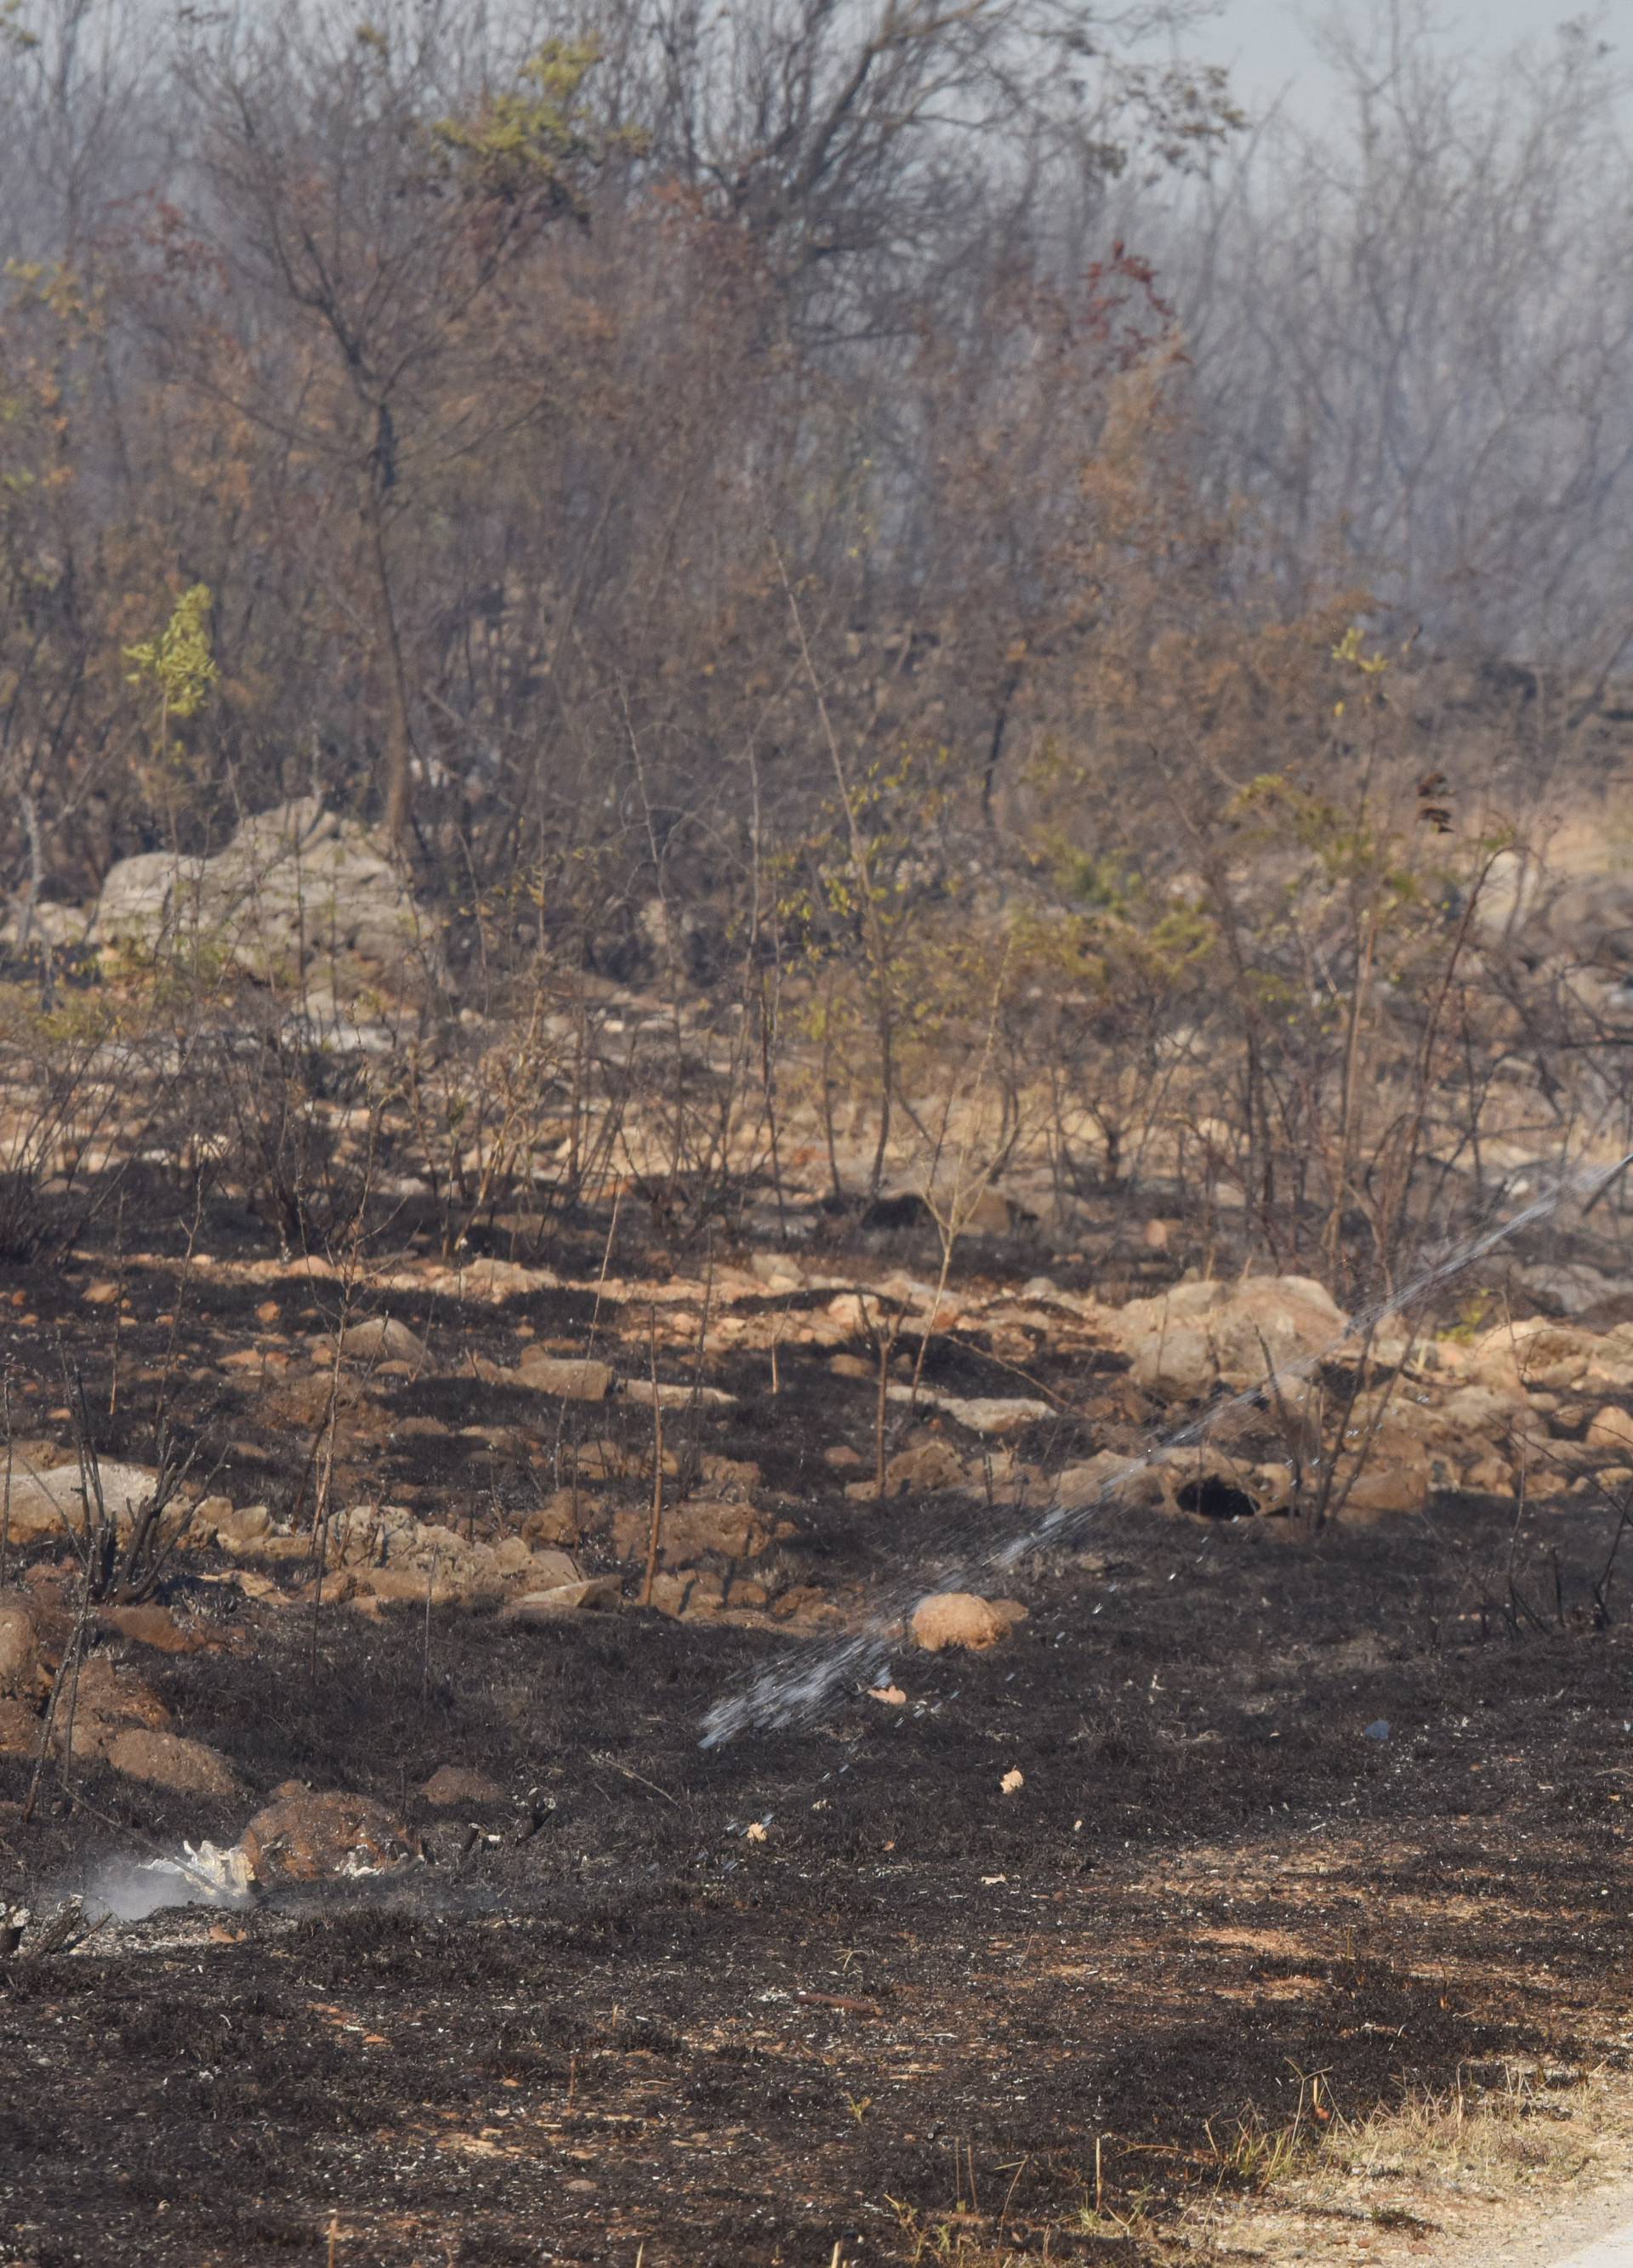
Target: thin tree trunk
(399,738)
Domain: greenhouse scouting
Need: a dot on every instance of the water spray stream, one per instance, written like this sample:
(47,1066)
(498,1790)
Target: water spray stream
(802,1687)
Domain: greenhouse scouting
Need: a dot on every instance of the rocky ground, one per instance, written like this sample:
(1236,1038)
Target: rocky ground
(1289,1774)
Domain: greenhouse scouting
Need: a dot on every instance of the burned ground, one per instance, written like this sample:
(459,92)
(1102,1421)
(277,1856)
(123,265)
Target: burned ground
(1347,1804)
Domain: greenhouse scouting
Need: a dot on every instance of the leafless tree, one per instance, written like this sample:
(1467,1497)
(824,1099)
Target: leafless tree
(1411,316)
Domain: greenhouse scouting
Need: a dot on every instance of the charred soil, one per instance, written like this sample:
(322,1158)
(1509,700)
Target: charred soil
(1349,1804)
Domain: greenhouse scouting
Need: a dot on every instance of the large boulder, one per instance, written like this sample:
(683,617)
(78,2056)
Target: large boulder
(692,1530)
(963,1620)
(303,1837)
(48,1504)
(166,1760)
(141,897)
(1572,917)
(381,1341)
(299,890)
(1197,1336)
(1569,1287)
(574,1378)
(1391,1470)
(1201,1481)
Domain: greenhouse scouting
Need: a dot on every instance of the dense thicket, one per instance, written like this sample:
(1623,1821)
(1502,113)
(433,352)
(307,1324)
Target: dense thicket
(918,518)
(610,440)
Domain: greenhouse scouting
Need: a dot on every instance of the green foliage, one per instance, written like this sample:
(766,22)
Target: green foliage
(527,144)
(1092,880)
(1345,842)
(829,896)
(1349,654)
(1126,939)
(179,665)
(1474,1316)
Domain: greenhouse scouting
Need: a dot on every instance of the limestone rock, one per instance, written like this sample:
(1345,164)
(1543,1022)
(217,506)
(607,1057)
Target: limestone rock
(730,1477)
(301,1836)
(381,1339)
(1509,896)
(1611,1431)
(806,1606)
(58,925)
(573,1379)
(1203,1483)
(1569,1287)
(549,1569)
(495,1281)
(166,1760)
(45,1504)
(993,1414)
(692,1530)
(959,1618)
(1489,1475)
(1536,1353)
(694,1596)
(408,1585)
(142,897)
(298,888)
(549,1605)
(1196,1336)
(19,1644)
(1109,1476)
(510,1557)
(926,1463)
(1592,918)
(851,1313)
(1483,1410)
(1396,1476)
(241,1531)
(559,1518)
(674,1396)
(156,1627)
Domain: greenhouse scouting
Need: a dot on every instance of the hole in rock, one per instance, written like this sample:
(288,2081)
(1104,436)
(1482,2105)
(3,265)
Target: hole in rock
(1216,1499)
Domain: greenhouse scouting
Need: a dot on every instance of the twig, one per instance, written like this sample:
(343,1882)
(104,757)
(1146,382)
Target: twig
(693,1453)
(840,2000)
(424,1644)
(655,1537)
(118,1303)
(5,1510)
(640,1778)
(1603,1584)
(67,1668)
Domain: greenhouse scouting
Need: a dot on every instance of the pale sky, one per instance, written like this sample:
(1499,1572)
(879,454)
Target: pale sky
(1268,49)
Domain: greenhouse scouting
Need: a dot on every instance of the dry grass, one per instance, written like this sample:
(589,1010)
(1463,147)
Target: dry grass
(1442,2178)
(1454,2168)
